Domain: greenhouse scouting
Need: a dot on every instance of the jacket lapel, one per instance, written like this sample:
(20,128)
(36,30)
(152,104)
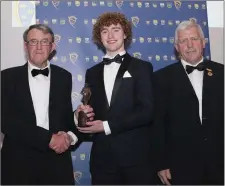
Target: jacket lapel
(119,77)
(208,80)
(184,82)
(24,93)
(52,96)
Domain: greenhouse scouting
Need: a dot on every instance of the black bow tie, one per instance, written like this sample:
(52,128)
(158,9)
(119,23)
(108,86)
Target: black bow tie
(44,72)
(199,67)
(117,59)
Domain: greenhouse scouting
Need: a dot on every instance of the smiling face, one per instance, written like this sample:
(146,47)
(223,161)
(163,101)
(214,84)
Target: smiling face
(38,54)
(112,37)
(190,45)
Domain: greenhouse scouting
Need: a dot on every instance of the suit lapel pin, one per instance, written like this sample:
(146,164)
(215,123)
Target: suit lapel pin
(210,73)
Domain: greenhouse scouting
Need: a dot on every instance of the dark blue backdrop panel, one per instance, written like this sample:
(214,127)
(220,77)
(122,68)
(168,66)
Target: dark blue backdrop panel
(153,22)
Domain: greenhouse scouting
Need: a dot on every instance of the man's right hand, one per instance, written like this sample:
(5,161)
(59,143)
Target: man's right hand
(164,175)
(87,109)
(60,142)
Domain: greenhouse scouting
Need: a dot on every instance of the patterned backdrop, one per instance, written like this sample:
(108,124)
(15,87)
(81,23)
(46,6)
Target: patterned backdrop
(154,23)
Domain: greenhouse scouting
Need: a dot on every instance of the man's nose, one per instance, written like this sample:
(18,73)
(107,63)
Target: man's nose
(110,35)
(39,46)
(189,43)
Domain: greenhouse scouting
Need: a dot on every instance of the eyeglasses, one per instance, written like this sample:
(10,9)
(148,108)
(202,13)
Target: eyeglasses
(43,42)
(185,41)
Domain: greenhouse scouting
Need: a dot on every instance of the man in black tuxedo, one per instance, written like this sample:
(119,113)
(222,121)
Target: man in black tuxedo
(37,118)
(122,106)
(189,115)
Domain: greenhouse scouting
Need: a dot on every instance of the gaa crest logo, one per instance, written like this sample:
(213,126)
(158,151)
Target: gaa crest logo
(177,4)
(73,57)
(55,3)
(119,4)
(135,20)
(77,176)
(57,38)
(72,20)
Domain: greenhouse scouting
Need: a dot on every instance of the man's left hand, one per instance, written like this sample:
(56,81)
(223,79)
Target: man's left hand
(93,127)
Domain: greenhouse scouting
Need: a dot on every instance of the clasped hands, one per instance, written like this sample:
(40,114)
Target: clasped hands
(60,142)
(94,126)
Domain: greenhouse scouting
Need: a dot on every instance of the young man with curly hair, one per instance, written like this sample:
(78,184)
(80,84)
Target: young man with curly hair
(122,106)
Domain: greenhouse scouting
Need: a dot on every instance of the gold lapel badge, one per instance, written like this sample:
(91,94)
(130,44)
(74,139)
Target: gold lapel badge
(210,73)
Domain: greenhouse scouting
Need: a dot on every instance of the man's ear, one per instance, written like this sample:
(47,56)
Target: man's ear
(53,46)
(25,46)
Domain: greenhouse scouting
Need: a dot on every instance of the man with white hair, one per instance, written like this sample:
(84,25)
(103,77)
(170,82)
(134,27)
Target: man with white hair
(189,115)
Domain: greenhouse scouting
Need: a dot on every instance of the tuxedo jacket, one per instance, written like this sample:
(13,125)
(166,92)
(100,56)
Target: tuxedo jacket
(26,151)
(184,145)
(129,114)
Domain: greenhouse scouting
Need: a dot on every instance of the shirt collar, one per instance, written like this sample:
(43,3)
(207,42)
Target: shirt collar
(110,57)
(184,63)
(31,67)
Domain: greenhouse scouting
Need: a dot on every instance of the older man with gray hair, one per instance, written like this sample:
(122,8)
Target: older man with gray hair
(189,115)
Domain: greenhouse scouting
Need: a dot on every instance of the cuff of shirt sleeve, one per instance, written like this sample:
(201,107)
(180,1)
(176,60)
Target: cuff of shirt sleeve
(106,128)
(75,119)
(74,137)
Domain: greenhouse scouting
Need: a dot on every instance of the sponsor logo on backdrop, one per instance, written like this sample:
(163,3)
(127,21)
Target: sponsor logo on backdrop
(149,39)
(157,57)
(85,3)
(55,3)
(54,21)
(63,59)
(154,5)
(57,39)
(77,176)
(162,5)
(94,3)
(177,5)
(137,55)
(73,57)
(79,78)
(95,59)
(169,5)
(72,20)
(62,21)
(109,3)
(155,22)
(45,3)
(131,4)
(165,58)
(69,3)
(78,39)
(196,6)
(102,3)
(150,57)
(119,4)
(135,20)
(157,39)
(141,40)
(147,4)
(77,3)
(82,156)
(203,6)
(139,4)
(75,96)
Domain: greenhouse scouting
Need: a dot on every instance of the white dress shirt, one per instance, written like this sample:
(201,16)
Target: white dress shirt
(39,88)
(196,79)
(110,72)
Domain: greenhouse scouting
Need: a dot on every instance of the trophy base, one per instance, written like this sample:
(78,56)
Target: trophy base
(82,119)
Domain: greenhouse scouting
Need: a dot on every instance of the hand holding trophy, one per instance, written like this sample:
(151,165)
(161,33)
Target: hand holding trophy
(82,117)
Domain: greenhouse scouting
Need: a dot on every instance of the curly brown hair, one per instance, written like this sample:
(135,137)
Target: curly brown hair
(107,19)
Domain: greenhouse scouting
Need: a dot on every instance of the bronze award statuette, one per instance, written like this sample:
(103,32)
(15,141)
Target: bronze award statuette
(82,117)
